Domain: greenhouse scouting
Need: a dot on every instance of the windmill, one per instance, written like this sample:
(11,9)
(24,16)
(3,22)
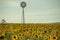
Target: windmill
(23,5)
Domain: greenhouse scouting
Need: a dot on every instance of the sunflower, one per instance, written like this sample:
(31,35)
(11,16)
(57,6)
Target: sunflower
(45,37)
(3,33)
(50,37)
(2,37)
(39,35)
(14,37)
(20,35)
(35,35)
(14,31)
(54,37)
(27,33)
(0,32)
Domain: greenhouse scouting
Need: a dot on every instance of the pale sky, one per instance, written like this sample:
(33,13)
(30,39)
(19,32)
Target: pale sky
(36,11)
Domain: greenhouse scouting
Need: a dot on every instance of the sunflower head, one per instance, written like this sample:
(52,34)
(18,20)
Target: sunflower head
(54,37)
(14,37)
(45,37)
(35,35)
(50,37)
(20,35)
(40,35)
(2,37)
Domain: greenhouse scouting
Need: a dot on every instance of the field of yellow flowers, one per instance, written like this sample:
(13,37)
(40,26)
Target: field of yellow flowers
(10,31)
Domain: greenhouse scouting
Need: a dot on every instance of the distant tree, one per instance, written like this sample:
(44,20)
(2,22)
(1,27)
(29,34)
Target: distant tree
(3,21)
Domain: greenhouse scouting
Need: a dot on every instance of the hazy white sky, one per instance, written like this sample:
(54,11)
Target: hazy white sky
(36,11)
